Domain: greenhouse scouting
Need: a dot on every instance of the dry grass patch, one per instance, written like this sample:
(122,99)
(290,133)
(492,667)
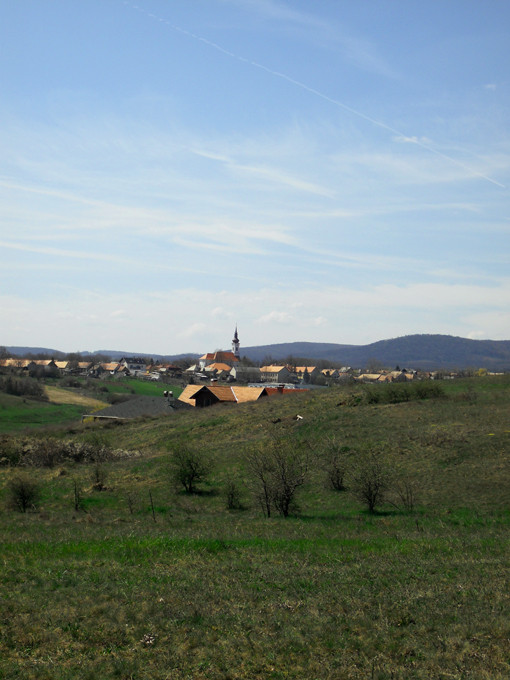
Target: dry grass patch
(58,395)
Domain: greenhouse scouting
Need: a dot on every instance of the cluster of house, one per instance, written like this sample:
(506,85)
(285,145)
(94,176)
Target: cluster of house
(128,366)
(220,365)
(224,366)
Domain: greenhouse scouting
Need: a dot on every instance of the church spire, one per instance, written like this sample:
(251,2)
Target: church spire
(235,344)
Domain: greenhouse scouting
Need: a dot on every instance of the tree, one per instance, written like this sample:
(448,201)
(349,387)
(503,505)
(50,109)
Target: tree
(370,480)
(233,495)
(335,463)
(24,493)
(290,472)
(278,469)
(191,467)
(260,466)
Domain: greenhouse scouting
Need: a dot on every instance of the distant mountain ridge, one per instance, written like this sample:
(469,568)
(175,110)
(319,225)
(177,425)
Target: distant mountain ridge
(426,352)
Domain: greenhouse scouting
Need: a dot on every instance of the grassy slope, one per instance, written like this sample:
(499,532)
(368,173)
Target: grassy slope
(18,413)
(67,405)
(144,387)
(329,593)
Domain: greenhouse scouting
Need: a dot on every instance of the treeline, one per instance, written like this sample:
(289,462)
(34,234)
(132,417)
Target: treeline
(21,387)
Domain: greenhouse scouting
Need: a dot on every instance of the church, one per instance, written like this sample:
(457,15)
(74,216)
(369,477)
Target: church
(229,359)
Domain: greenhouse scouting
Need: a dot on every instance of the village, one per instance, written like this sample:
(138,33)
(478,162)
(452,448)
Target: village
(222,376)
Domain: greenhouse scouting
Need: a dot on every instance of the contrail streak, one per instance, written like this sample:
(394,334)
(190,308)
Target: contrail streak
(317,93)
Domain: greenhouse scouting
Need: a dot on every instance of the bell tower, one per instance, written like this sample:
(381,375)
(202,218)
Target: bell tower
(235,344)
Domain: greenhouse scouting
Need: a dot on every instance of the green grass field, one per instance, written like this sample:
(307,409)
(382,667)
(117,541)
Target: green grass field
(18,413)
(24,413)
(138,386)
(193,590)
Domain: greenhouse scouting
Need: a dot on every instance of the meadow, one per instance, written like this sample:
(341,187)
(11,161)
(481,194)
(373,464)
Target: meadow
(143,580)
(65,404)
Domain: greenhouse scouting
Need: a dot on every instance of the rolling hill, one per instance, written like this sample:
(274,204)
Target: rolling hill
(427,352)
(412,351)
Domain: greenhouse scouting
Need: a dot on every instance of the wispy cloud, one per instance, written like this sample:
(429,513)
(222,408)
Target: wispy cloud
(277,317)
(327,313)
(356,49)
(60,252)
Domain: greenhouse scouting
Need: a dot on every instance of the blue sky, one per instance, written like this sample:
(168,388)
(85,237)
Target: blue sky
(328,171)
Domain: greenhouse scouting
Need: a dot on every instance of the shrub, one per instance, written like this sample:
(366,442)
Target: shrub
(370,480)
(24,493)
(77,496)
(50,452)
(396,393)
(70,381)
(233,495)
(427,389)
(9,452)
(22,387)
(261,470)
(406,493)
(99,478)
(335,464)
(278,469)
(372,395)
(191,467)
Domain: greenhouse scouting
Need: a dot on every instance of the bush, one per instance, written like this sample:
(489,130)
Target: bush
(370,480)
(191,467)
(406,495)
(9,451)
(372,395)
(278,469)
(334,461)
(396,393)
(70,381)
(24,493)
(22,387)
(51,452)
(426,389)
(99,478)
(233,495)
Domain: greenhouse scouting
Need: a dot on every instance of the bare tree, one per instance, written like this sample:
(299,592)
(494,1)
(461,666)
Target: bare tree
(370,480)
(77,496)
(190,468)
(278,468)
(131,502)
(261,469)
(291,469)
(334,459)
(407,493)
(233,495)
(99,476)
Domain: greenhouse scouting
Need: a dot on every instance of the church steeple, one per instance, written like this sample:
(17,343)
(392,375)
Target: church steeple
(236,344)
